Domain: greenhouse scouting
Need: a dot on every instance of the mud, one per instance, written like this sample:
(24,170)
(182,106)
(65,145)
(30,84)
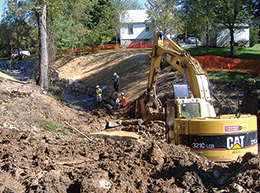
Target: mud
(39,152)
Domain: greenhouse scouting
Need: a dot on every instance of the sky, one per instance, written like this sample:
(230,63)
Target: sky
(1,8)
(142,2)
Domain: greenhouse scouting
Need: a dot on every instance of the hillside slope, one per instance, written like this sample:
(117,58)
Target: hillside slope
(132,67)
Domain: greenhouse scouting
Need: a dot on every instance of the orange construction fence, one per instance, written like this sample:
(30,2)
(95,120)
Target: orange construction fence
(92,49)
(141,44)
(229,64)
(207,62)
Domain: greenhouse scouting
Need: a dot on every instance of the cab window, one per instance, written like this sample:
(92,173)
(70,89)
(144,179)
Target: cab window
(190,110)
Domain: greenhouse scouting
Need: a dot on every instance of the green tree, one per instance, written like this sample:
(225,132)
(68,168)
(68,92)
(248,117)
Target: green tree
(22,21)
(64,30)
(230,14)
(254,9)
(12,17)
(253,36)
(103,21)
(92,22)
(6,37)
(13,8)
(128,4)
(162,16)
(197,17)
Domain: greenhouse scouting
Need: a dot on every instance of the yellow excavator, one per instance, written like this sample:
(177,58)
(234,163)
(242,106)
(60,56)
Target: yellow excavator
(192,120)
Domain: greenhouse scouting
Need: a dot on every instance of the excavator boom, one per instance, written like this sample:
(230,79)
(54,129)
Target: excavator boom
(188,66)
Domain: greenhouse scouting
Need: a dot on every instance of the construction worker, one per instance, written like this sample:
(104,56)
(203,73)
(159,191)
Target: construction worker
(123,101)
(184,112)
(116,82)
(162,64)
(99,95)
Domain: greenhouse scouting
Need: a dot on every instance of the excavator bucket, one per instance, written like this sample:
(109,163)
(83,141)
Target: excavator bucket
(144,112)
(148,114)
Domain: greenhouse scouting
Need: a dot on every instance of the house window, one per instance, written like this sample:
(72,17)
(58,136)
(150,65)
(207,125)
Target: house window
(147,27)
(130,29)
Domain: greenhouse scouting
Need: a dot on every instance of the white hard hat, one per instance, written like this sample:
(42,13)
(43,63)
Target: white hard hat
(115,74)
(122,93)
(97,86)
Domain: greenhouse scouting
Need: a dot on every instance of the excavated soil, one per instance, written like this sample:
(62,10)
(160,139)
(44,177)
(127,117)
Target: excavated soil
(47,146)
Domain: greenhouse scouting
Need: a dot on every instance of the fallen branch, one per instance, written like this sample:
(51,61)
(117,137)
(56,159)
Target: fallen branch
(77,131)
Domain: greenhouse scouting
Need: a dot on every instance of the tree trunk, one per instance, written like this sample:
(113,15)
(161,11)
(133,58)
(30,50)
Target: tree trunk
(207,33)
(17,30)
(17,38)
(207,40)
(43,46)
(231,43)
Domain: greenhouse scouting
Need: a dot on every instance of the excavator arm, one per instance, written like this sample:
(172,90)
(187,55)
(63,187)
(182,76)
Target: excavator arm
(188,66)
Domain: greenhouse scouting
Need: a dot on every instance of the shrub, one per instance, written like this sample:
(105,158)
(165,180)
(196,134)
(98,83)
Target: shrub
(55,127)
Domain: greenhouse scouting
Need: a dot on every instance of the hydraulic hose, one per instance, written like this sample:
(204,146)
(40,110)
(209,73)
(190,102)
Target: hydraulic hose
(215,97)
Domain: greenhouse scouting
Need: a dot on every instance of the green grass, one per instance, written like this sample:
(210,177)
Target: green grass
(223,76)
(233,77)
(48,126)
(55,127)
(240,52)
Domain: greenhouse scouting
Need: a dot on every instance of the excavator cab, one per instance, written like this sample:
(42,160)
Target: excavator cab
(181,106)
(187,107)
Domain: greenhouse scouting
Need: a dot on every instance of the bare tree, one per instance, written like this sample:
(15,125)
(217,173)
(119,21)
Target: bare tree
(43,46)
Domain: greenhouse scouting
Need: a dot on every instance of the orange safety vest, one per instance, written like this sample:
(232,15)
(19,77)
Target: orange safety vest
(122,99)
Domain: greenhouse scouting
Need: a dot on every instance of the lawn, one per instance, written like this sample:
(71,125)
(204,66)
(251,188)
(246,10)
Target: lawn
(240,52)
(232,77)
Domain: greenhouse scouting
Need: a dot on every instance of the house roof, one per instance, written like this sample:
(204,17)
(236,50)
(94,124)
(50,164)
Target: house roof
(237,25)
(134,16)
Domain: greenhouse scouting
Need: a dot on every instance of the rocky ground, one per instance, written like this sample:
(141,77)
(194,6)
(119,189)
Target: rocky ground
(47,143)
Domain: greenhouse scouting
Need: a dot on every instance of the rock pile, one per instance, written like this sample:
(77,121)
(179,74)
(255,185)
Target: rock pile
(22,70)
(27,71)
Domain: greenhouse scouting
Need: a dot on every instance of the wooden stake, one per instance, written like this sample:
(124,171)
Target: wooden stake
(77,131)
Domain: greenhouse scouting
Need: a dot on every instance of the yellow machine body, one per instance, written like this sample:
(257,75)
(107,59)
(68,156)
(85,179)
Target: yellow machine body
(192,120)
(221,138)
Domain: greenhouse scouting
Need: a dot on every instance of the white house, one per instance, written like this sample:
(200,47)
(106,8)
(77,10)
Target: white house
(134,27)
(221,38)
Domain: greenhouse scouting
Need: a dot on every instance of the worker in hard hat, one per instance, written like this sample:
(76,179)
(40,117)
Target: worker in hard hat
(99,95)
(116,81)
(123,101)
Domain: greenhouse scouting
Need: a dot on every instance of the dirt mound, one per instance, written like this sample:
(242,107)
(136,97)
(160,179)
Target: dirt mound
(47,162)
(132,67)
(39,152)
